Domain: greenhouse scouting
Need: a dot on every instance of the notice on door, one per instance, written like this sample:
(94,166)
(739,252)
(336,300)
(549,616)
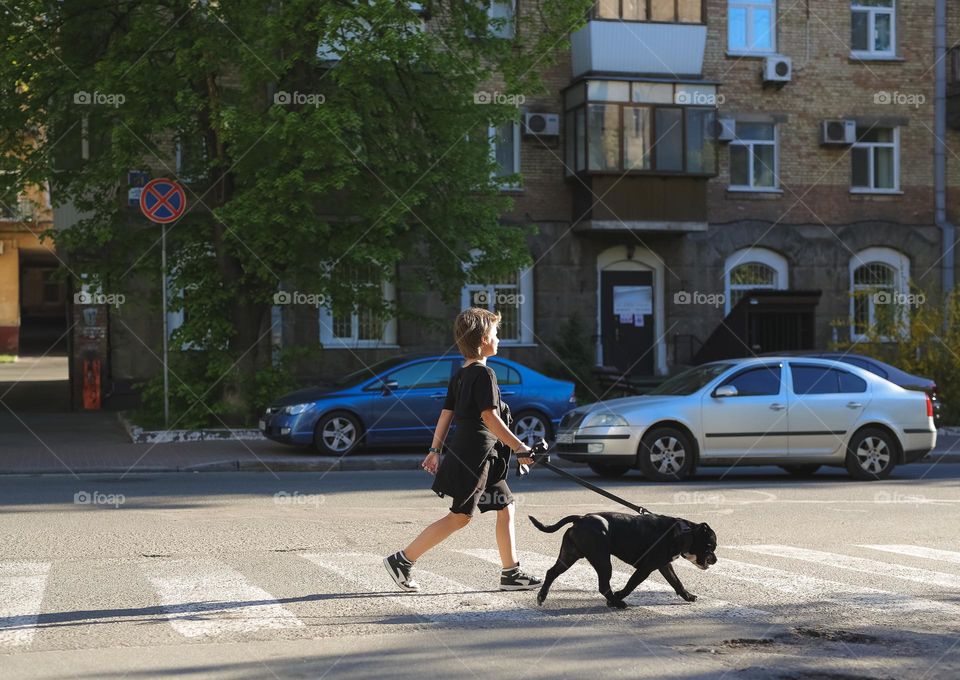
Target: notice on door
(632,303)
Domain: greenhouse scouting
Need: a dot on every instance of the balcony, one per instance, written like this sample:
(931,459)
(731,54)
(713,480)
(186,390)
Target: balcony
(672,50)
(613,203)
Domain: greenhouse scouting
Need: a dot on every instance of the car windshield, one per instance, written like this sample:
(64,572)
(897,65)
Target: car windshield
(690,380)
(368,372)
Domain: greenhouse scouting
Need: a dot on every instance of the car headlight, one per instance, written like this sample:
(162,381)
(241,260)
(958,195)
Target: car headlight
(297,409)
(605,420)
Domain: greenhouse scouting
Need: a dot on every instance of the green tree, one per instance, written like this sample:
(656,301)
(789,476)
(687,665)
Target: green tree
(300,170)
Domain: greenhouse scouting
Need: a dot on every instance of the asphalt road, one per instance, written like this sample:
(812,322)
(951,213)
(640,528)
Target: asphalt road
(267,575)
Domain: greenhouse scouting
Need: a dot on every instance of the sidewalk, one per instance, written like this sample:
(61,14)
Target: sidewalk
(77,443)
(65,443)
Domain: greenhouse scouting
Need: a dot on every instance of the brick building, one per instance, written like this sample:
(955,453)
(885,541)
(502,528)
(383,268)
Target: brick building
(689,151)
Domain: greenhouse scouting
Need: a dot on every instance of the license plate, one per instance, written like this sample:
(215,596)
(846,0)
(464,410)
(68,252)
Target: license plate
(263,425)
(565,438)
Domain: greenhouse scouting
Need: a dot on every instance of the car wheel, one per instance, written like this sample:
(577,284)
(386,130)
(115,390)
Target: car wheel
(666,455)
(871,455)
(336,434)
(530,427)
(609,471)
(801,470)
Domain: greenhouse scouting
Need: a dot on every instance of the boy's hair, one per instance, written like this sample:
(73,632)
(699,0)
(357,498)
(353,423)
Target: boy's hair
(471,327)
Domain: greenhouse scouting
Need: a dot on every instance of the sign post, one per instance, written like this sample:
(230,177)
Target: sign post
(163,201)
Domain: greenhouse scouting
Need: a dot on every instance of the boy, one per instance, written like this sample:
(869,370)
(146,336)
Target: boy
(472,472)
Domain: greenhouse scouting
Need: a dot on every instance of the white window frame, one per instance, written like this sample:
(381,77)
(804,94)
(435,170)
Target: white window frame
(749,6)
(754,255)
(871,147)
(492,136)
(524,288)
(901,272)
(388,340)
(872,12)
(750,143)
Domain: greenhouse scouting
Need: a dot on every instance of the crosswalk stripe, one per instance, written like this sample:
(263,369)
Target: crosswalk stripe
(656,596)
(21,594)
(865,566)
(440,600)
(802,589)
(204,597)
(919,551)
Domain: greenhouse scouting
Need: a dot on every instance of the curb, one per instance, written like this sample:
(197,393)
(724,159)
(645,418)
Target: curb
(140,436)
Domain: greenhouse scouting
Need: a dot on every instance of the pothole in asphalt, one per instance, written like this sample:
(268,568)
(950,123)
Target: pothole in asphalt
(835,635)
(739,643)
(829,675)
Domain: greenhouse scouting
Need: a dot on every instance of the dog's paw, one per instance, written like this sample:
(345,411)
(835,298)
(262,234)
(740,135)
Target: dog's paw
(540,598)
(617,604)
(689,597)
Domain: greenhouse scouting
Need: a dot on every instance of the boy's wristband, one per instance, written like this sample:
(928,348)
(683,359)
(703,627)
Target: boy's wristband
(433,449)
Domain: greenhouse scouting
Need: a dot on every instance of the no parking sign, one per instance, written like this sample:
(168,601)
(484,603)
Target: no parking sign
(162,200)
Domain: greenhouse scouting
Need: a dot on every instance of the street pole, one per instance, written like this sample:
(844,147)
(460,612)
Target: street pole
(163,288)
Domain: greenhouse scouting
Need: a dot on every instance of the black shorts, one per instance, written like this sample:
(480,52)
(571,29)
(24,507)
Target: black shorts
(489,495)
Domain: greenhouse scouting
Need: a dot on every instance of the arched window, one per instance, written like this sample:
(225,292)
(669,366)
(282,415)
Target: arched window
(878,279)
(752,268)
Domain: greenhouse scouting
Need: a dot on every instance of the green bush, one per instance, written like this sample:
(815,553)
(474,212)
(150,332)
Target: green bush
(923,339)
(573,359)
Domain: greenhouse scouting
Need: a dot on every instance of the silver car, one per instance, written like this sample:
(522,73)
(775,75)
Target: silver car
(795,412)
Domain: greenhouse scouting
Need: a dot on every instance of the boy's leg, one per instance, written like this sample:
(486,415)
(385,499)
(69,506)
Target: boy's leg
(435,533)
(507,537)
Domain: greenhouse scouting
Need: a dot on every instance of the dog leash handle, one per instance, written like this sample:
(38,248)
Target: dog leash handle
(538,452)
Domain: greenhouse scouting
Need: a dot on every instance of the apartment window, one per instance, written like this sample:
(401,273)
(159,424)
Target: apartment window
(751,26)
(617,126)
(878,277)
(875,160)
(873,28)
(511,295)
(505,149)
(359,327)
(753,268)
(753,157)
(672,11)
(502,16)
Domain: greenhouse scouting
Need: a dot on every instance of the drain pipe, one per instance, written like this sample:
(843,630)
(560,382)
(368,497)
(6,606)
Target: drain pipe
(939,150)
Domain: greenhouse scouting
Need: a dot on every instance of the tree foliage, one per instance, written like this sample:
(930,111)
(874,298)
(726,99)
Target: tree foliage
(299,169)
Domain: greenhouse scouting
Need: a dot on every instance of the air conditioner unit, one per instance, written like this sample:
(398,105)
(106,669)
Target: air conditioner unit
(541,124)
(725,129)
(777,70)
(838,132)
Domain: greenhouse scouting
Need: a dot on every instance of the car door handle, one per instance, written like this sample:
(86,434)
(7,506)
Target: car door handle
(438,395)
(507,394)
(854,404)
(777,407)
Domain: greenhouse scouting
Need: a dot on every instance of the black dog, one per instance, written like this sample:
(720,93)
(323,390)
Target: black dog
(646,542)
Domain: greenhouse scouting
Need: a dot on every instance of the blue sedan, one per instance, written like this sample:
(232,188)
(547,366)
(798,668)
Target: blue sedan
(398,401)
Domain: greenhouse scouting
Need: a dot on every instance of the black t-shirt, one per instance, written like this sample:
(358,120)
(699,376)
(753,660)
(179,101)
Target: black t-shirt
(472,390)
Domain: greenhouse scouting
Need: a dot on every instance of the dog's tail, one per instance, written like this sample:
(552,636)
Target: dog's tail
(553,527)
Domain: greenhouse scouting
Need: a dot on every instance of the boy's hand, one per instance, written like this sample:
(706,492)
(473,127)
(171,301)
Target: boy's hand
(521,458)
(430,463)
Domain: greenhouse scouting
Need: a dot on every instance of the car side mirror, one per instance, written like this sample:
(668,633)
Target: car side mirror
(390,386)
(725,391)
